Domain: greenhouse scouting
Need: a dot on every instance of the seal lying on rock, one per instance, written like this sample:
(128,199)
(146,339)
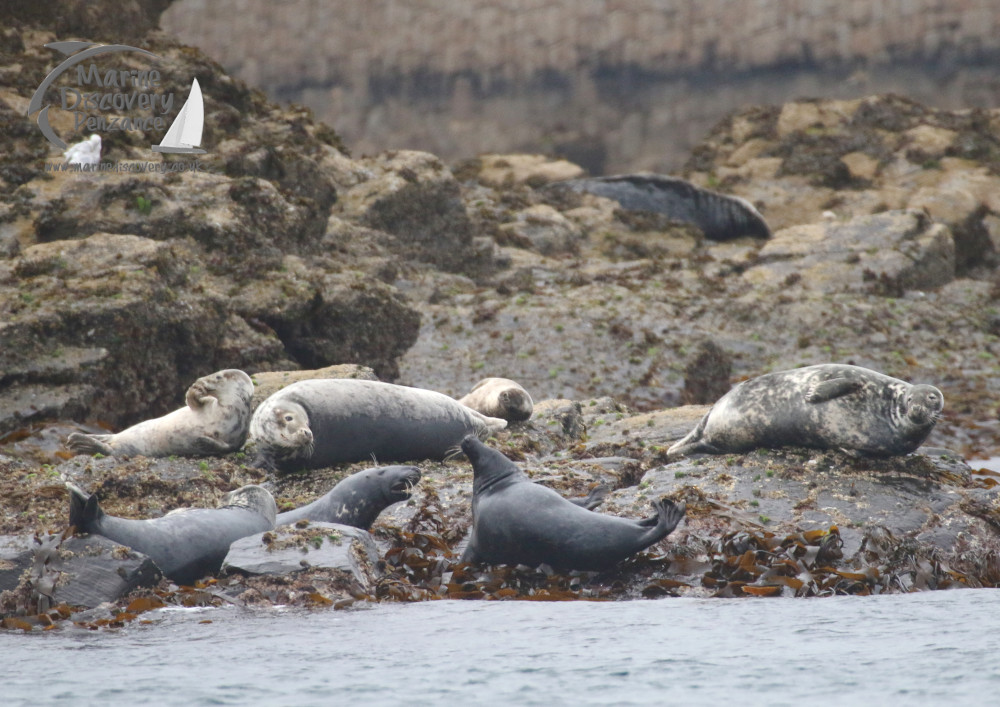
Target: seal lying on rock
(215,421)
(719,216)
(829,406)
(515,521)
(358,499)
(316,423)
(188,543)
(500,397)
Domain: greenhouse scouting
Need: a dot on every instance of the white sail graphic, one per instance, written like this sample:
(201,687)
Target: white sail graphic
(184,134)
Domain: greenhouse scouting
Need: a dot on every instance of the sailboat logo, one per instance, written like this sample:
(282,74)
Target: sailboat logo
(105,100)
(184,134)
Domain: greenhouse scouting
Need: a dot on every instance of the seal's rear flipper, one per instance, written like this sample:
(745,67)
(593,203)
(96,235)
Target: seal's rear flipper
(84,510)
(89,444)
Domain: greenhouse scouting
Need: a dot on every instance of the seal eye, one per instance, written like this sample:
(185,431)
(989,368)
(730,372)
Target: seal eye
(288,418)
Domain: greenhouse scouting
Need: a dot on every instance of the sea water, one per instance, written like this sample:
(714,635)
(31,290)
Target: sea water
(928,648)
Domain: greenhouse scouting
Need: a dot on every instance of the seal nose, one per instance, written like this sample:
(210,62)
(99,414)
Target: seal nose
(306,434)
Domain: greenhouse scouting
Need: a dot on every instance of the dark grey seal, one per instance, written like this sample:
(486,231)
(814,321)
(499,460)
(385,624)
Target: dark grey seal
(358,499)
(720,216)
(829,406)
(515,521)
(188,543)
(317,423)
(214,421)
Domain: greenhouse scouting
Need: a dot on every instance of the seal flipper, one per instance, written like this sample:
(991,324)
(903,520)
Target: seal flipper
(823,391)
(668,515)
(692,442)
(84,510)
(208,447)
(593,499)
(89,444)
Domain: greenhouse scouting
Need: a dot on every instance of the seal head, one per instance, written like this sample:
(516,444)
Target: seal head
(359,499)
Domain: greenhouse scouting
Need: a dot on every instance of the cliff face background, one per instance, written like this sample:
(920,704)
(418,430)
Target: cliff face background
(615,86)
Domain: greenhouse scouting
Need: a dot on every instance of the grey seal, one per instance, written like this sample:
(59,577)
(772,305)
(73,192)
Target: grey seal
(188,543)
(516,521)
(358,499)
(719,216)
(317,423)
(214,421)
(500,397)
(829,406)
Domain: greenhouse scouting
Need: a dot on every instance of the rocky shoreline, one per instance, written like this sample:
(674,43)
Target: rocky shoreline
(287,254)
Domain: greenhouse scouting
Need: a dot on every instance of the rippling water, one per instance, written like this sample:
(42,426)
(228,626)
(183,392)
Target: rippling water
(928,648)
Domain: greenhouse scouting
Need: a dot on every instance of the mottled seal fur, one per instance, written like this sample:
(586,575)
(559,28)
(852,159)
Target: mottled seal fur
(829,406)
(358,499)
(515,521)
(316,423)
(500,397)
(188,543)
(214,421)
(719,216)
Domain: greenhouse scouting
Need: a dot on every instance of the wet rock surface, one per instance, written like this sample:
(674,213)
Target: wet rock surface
(287,257)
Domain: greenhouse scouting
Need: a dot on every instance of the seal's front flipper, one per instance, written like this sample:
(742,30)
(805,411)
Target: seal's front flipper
(206,446)
(89,444)
(593,499)
(822,391)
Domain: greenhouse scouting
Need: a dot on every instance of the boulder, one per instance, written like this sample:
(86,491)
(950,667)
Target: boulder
(305,546)
(887,253)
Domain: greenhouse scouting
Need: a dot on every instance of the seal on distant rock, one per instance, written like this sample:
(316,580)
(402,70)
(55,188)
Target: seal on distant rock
(188,543)
(358,499)
(500,397)
(317,423)
(214,421)
(719,216)
(829,406)
(516,521)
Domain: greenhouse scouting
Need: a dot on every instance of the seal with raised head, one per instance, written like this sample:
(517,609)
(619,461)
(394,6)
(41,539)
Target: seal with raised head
(829,406)
(188,543)
(312,424)
(500,397)
(516,521)
(358,499)
(214,421)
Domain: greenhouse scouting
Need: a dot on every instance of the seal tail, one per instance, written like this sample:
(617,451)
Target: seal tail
(84,510)
(89,444)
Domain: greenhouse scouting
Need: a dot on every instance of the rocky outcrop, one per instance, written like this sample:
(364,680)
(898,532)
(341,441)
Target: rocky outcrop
(291,548)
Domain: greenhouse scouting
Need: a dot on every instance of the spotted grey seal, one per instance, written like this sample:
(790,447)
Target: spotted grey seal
(358,499)
(188,543)
(516,521)
(316,423)
(214,421)
(500,397)
(829,406)
(719,216)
